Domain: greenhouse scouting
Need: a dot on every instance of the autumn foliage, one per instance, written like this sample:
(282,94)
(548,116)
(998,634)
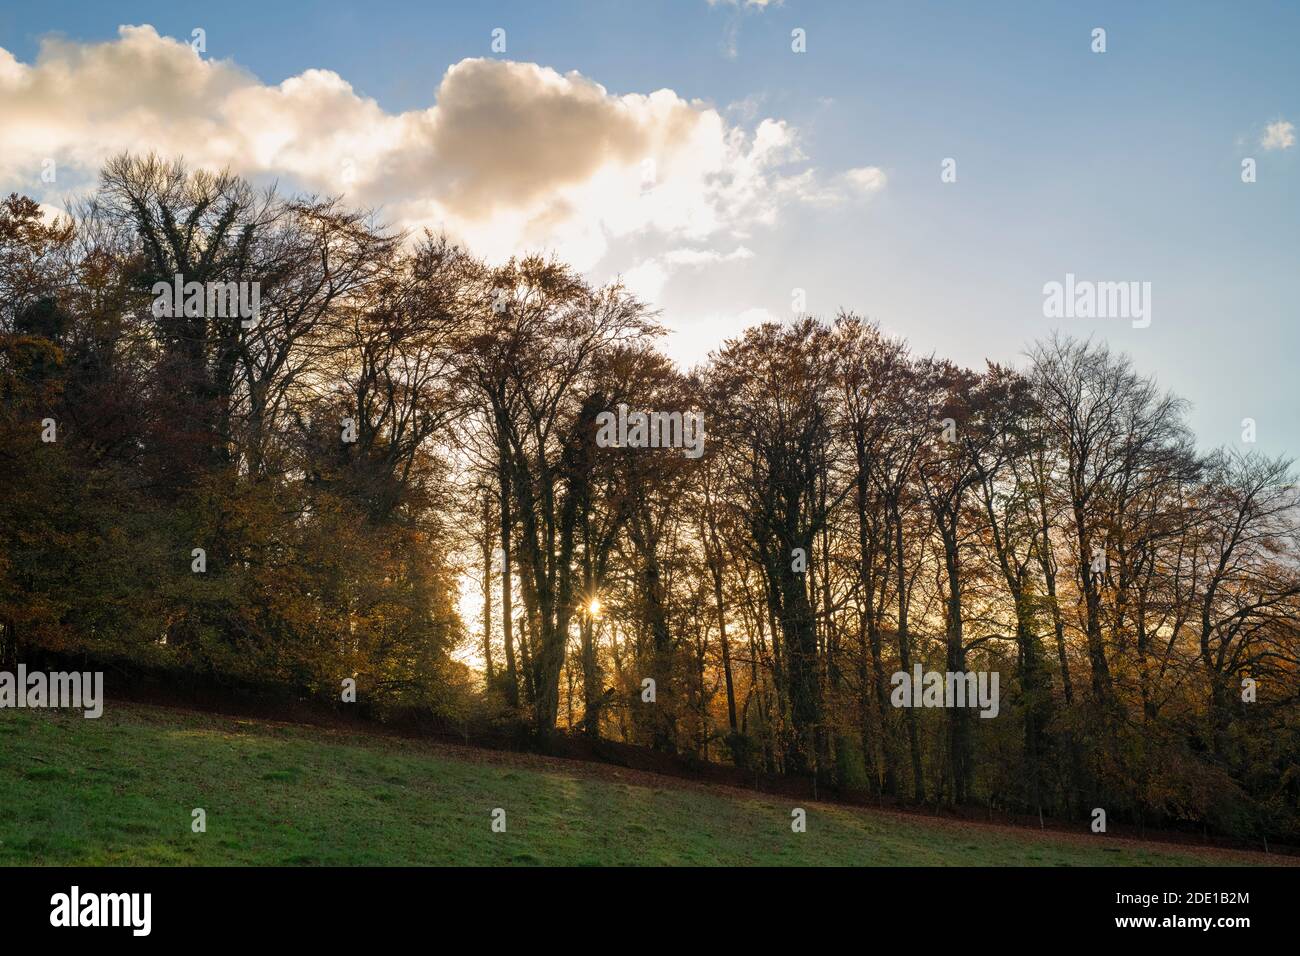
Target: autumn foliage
(395,471)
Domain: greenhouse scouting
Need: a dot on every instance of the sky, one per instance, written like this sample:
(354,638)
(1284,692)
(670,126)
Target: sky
(728,179)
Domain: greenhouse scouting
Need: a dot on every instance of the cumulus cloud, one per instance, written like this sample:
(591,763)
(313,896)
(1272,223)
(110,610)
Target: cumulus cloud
(509,156)
(1278,135)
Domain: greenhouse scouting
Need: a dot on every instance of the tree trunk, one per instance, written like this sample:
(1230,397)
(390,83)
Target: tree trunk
(507,596)
(905,656)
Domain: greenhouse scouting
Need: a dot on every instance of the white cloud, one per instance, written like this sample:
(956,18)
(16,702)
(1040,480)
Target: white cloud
(1278,135)
(809,187)
(51,214)
(731,33)
(704,257)
(747,107)
(647,278)
(866,179)
(509,157)
(689,340)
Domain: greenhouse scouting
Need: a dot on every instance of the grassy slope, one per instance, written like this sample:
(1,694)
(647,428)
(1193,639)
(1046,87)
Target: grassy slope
(119,790)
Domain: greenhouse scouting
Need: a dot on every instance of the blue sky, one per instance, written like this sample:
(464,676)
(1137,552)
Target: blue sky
(1117,166)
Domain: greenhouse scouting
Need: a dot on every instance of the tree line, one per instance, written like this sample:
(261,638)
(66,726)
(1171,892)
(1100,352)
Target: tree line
(406,431)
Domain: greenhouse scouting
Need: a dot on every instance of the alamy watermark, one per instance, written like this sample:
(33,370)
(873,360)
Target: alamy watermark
(61,689)
(215,300)
(947,689)
(651,430)
(74,908)
(1085,299)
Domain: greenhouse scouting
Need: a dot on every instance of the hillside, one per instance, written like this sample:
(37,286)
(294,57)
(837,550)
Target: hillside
(121,789)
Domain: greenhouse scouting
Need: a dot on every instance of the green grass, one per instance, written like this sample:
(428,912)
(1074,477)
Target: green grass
(120,790)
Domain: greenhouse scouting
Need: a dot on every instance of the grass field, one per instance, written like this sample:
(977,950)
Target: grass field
(120,790)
